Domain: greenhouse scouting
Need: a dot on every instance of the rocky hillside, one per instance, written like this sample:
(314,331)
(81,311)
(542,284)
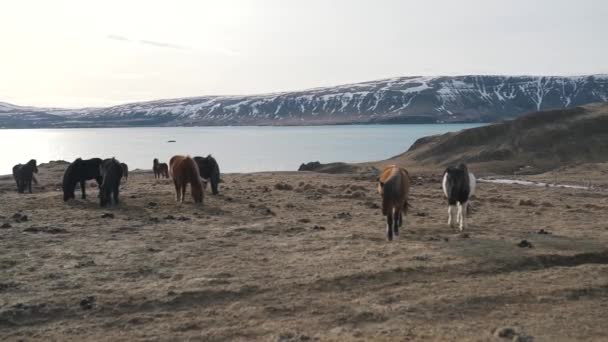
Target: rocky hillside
(530,144)
(397,100)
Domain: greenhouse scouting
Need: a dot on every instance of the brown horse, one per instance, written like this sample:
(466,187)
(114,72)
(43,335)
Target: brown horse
(160,169)
(125,171)
(184,170)
(394,187)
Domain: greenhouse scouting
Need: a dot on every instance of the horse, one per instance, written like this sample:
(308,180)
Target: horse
(111,173)
(125,171)
(184,170)
(160,169)
(79,171)
(458,186)
(209,171)
(394,187)
(24,175)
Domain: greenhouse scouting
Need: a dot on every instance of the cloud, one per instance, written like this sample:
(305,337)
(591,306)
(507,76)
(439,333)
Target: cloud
(164,45)
(117,37)
(206,50)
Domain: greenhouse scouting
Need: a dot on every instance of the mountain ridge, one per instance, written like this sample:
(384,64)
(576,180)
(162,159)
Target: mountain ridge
(409,99)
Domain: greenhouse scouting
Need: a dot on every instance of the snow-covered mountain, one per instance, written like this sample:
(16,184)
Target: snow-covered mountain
(396,100)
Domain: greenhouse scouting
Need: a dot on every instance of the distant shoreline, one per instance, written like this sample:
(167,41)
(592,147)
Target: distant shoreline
(308,124)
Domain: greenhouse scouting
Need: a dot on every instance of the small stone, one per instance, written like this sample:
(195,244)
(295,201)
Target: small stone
(505,333)
(543,232)
(88,303)
(317,227)
(304,220)
(525,244)
(283,186)
(107,215)
(5,225)
(183,218)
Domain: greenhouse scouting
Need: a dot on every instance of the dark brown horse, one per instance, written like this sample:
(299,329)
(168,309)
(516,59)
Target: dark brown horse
(394,187)
(183,171)
(24,175)
(210,171)
(111,173)
(125,171)
(161,170)
(79,171)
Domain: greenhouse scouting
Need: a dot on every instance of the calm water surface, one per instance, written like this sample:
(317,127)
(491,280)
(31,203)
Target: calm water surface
(237,149)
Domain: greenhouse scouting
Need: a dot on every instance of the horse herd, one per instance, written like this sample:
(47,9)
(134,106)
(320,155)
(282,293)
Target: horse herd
(394,184)
(108,173)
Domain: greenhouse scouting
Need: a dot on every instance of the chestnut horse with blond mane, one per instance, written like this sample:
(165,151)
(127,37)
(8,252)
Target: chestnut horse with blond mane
(184,170)
(394,187)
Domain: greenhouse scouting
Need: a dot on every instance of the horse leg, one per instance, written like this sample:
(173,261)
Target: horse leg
(83,185)
(396,222)
(116,191)
(463,214)
(184,186)
(389,226)
(450,223)
(177,191)
(29,186)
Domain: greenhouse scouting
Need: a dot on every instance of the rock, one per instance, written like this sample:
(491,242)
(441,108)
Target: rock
(152,204)
(107,215)
(283,186)
(345,215)
(183,218)
(358,194)
(464,235)
(317,227)
(421,214)
(525,244)
(543,232)
(88,303)
(371,205)
(304,220)
(18,217)
(527,202)
(505,332)
(309,166)
(5,225)
(48,230)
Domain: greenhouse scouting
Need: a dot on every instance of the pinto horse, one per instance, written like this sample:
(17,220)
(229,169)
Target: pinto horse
(394,187)
(458,187)
(184,170)
(161,170)
(24,175)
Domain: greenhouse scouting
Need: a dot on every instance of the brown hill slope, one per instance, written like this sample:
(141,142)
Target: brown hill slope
(534,143)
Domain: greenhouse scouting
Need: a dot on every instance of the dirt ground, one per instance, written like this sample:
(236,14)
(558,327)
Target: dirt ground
(303,256)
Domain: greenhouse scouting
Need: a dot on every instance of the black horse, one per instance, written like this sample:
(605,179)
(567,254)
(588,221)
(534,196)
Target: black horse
(210,171)
(24,175)
(79,172)
(111,173)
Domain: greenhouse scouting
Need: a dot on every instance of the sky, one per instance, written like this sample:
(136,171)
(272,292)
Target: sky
(74,53)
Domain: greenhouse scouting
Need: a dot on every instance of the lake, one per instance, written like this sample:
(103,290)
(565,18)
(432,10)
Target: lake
(237,149)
